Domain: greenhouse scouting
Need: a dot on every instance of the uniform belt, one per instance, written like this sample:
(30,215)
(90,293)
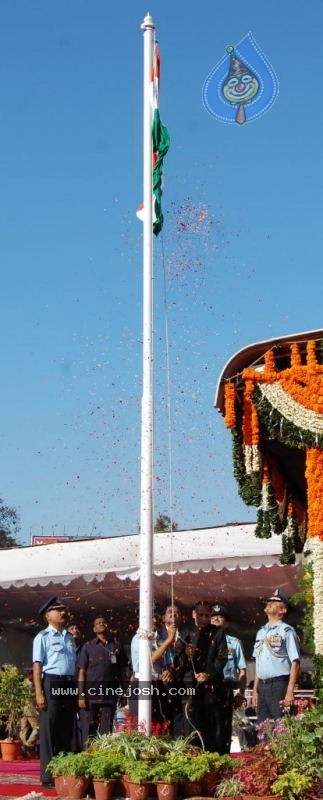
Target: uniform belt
(276,678)
(58,677)
(154,676)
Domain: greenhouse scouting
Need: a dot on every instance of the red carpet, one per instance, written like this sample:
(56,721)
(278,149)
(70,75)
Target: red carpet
(20,777)
(21,766)
(11,790)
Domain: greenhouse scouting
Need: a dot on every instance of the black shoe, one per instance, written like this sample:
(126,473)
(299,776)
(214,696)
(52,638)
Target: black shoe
(48,784)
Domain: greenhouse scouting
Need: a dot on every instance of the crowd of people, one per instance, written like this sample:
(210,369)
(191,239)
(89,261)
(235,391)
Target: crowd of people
(198,677)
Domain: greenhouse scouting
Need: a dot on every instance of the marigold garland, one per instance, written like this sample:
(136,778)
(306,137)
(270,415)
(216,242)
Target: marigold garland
(270,362)
(229,396)
(314,478)
(311,353)
(305,385)
(286,406)
(295,356)
(292,414)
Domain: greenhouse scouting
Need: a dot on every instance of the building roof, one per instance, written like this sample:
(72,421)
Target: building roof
(253,353)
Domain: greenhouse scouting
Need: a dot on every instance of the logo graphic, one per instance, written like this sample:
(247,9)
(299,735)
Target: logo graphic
(242,86)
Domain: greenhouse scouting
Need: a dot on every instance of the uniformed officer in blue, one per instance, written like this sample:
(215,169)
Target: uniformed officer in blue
(54,657)
(234,671)
(277,654)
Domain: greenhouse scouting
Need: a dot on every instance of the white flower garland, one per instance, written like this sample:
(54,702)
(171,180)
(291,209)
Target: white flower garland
(316,546)
(291,409)
(252,458)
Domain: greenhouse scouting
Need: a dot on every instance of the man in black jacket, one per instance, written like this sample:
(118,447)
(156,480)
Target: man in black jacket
(200,655)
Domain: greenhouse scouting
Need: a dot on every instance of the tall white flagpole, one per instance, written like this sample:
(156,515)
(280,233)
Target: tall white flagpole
(146,506)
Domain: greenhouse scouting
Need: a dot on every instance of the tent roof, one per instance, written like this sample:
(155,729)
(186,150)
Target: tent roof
(99,574)
(228,547)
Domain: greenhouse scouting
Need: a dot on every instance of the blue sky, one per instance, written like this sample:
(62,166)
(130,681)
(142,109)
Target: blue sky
(241,249)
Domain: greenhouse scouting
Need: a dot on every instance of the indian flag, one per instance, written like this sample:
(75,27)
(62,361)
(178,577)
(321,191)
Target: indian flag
(160,142)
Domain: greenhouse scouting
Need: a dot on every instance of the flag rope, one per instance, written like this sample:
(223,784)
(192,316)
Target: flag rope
(170,424)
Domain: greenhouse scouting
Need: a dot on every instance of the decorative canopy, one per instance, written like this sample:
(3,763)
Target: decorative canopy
(274,408)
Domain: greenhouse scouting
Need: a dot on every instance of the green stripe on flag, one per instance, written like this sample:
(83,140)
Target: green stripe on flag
(161,142)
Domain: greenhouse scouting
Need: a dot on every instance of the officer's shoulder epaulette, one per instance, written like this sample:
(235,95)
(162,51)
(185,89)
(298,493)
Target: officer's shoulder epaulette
(287,627)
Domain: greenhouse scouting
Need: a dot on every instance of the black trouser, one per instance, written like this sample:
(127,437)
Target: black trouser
(57,721)
(226,716)
(270,694)
(206,719)
(97,718)
(172,709)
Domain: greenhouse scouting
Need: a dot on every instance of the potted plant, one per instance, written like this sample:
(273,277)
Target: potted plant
(57,768)
(297,741)
(229,787)
(215,766)
(106,767)
(193,767)
(167,776)
(14,692)
(76,768)
(258,770)
(140,776)
(292,785)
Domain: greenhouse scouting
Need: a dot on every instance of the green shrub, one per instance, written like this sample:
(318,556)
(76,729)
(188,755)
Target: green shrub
(139,771)
(14,693)
(291,785)
(106,764)
(73,764)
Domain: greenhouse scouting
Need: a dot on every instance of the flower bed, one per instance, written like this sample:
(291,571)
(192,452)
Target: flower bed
(287,764)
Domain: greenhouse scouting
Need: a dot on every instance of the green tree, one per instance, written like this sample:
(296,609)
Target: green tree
(9,526)
(164,523)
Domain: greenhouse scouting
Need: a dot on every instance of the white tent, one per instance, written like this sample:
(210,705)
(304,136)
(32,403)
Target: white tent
(93,575)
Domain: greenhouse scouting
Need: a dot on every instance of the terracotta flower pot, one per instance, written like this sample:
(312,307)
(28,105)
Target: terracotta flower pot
(10,750)
(77,787)
(167,790)
(139,791)
(192,788)
(209,782)
(61,785)
(122,786)
(104,790)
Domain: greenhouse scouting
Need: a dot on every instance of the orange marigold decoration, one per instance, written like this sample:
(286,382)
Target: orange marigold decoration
(230,413)
(270,361)
(250,425)
(314,477)
(311,354)
(295,356)
(304,385)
